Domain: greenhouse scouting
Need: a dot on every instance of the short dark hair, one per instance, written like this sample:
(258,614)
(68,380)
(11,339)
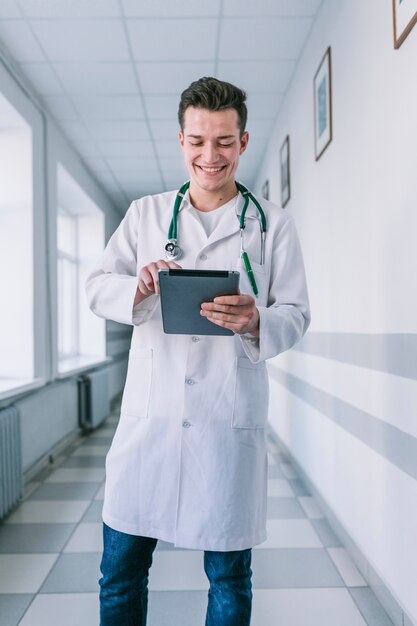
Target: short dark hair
(215,95)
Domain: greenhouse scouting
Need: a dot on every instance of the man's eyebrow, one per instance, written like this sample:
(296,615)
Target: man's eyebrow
(221,137)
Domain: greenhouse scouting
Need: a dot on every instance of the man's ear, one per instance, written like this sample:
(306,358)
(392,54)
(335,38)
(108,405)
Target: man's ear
(244,142)
(181,138)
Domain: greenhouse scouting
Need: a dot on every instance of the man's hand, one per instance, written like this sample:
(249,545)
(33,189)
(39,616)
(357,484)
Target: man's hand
(148,278)
(238,313)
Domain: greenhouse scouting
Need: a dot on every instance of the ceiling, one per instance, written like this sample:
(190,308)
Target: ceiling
(111,73)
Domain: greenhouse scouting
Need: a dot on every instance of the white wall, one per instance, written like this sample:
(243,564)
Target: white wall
(344,402)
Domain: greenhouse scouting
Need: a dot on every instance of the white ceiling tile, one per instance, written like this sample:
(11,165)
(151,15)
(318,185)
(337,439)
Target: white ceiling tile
(95,163)
(143,190)
(97,78)
(171,78)
(237,8)
(19,41)
(119,130)
(168,148)
(76,40)
(89,150)
(108,179)
(258,76)
(134,163)
(137,175)
(178,174)
(61,107)
(74,130)
(174,181)
(173,163)
(42,78)
(140,179)
(125,149)
(263,105)
(109,107)
(165,129)
(270,38)
(171,8)
(8,9)
(161,107)
(166,40)
(74,9)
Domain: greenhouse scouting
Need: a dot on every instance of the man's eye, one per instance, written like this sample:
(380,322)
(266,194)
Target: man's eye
(225,145)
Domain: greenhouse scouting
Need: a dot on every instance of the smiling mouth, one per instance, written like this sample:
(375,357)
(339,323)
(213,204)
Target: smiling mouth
(211,170)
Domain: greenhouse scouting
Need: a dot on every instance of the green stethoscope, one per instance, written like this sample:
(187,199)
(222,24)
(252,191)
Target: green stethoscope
(173,250)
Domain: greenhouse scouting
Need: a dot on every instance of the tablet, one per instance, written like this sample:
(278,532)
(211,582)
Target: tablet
(182,293)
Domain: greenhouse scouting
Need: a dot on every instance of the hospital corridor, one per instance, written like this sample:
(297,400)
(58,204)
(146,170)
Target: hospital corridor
(208,336)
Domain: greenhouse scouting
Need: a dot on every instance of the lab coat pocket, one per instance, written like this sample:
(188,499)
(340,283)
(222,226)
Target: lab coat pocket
(251,394)
(261,278)
(136,394)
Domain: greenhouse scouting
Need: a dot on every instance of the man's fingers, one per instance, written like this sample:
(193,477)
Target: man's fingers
(148,275)
(238,300)
(146,284)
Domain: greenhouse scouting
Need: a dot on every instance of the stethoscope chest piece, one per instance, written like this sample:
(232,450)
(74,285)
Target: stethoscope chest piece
(172,250)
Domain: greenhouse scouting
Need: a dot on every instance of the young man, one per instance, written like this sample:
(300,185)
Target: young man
(188,462)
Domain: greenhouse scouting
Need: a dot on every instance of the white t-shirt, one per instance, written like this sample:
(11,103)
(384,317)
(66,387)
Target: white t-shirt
(211,219)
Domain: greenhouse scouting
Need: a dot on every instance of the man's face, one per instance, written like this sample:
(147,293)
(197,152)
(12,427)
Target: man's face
(212,145)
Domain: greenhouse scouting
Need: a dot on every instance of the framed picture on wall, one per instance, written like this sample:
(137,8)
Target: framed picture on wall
(405,17)
(265,190)
(323,105)
(285,171)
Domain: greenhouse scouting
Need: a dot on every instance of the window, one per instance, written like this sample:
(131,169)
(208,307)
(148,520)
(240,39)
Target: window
(80,239)
(16,249)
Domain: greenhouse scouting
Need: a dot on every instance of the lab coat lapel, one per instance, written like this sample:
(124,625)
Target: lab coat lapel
(228,225)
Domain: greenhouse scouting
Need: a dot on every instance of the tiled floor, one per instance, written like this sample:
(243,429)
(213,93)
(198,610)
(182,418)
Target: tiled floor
(50,554)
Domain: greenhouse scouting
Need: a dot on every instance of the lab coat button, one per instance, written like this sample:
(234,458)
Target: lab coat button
(186,424)
(195,339)
(203,257)
(190,381)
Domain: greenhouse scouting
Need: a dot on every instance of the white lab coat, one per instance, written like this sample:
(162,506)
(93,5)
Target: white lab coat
(188,462)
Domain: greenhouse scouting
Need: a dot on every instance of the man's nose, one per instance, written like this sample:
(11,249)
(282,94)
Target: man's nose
(210,153)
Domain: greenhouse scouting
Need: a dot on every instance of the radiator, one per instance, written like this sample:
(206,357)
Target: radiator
(11,474)
(93,398)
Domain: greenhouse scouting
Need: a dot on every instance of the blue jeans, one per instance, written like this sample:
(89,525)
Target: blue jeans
(124,583)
